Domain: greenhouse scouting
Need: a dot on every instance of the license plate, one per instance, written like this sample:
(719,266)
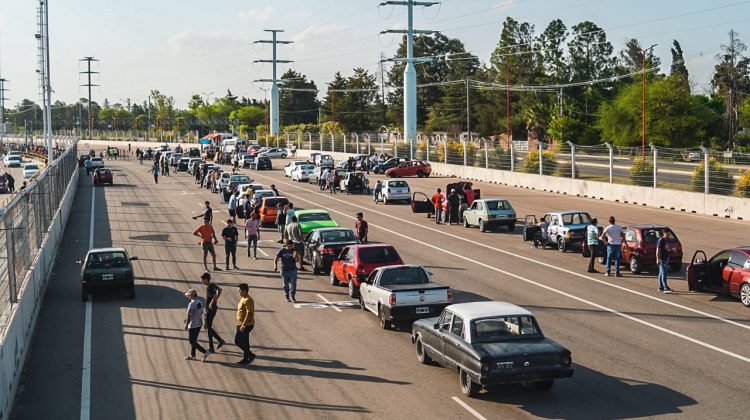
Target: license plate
(108,276)
(423,310)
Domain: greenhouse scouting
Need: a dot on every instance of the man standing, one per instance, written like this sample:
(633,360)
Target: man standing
(230,236)
(155,170)
(331,180)
(193,324)
(232,205)
(213,292)
(453,203)
(208,240)
(208,214)
(275,190)
(245,324)
(662,257)
(12,181)
(289,213)
(360,226)
(87,165)
(294,234)
(323,178)
(376,191)
(437,201)
(288,259)
(281,221)
(612,235)
(252,233)
(592,241)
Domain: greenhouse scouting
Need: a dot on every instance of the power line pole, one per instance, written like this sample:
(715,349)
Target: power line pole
(44,73)
(88,72)
(3,89)
(382,85)
(274,128)
(410,73)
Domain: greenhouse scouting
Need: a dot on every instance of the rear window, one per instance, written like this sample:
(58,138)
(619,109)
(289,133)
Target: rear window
(307,167)
(273,202)
(653,235)
(576,218)
(338,236)
(397,184)
(313,217)
(498,205)
(380,254)
(107,260)
(404,275)
(499,328)
(31,167)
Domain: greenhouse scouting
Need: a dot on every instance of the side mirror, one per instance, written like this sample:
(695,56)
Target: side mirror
(133,258)
(435,326)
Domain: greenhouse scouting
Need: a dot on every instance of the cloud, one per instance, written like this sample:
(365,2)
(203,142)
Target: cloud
(316,32)
(257,15)
(192,41)
(502,5)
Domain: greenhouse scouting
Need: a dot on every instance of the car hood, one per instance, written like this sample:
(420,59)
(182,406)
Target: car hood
(518,347)
(308,226)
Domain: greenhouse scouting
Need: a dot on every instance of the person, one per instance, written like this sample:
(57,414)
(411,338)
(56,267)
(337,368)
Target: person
(324,178)
(235,162)
(294,234)
(193,324)
(252,233)
(592,241)
(23,186)
(376,191)
(289,259)
(87,165)
(275,190)
(294,150)
(245,323)
(542,237)
(230,236)
(453,203)
(208,240)
(613,235)
(437,201)
(140,157)
(11,182)
(331,181)
(289,212)
(361,227)
(213,292)
(232,205)
(155,170)
(129,151)
(242,207)
(281,221)
(207,214)
(469,194)
(662,258)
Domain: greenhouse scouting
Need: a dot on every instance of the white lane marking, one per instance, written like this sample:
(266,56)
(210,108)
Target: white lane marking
(554,267)
(262,251)
(468,408)
(86,365)
(315,305)
(549,288)
(329,302)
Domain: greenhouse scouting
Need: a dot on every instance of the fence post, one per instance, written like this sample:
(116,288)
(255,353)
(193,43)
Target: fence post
(611,160)
(320,138)
(333,141)
(299,140)
(705,170)
(369,148)
(356,139)
(445,149)
(486,155)
(653,148)
(539,145)
(427,148)
(512,156)
(464,146)
(287,140)
(572,159)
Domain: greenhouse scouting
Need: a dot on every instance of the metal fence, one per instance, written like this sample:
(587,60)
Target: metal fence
(25,220)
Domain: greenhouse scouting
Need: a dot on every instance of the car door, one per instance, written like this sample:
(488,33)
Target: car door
(444,327)
(368,294)
(311,244)
(453,343)
(350,265)
(555,226)
(420,203)
(734,272)
(630,244)
(470,215)
(339,264)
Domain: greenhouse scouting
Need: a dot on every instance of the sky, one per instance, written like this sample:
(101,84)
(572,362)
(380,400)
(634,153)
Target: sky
(187,47)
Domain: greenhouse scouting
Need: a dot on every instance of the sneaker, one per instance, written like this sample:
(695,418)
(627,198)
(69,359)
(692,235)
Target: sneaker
(236,268)
(667,291)
(618,275)
(288,300)
(227,268)
(189,357)
(205,356)
(220,345)
(294,300)
(606,274)
(592,271)
(661,289)
(252,357)
(243,362)
(255,257)
(217,269)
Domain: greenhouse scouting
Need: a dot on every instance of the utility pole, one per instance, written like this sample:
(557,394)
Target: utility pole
(273,80)
(643,101)
(382,85)
(44,73)
(410,73)
(3,89)
(88,72)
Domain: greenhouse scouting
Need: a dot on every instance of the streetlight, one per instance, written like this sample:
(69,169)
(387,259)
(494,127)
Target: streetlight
(208,96)
(643,101)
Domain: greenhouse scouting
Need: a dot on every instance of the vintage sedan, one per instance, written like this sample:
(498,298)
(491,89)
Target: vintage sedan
(323,245)
(314,219)
(274,153)
(490,212)
(107,269)
(727,272)
(491,343)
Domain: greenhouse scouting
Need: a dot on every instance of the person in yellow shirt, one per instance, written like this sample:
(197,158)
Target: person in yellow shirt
(245,324)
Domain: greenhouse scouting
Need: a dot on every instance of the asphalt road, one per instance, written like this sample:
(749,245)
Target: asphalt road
(636,352)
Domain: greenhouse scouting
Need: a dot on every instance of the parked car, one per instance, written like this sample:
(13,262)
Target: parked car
(302,172)
(195,152)
(566,228)
(208,153)
(314,176)
(13,158)
(274,153)
(694,157)
(354,264)
(182,164)
(97,162)
(323,160)
(102,176)
(292,165)
(174,159)
(245,160)
(323,245)
(193,164)
(261,163)
(352,182)
(639,248)
(223,181)
(313,157)
(236,179)
(258,195)
(388,164)
(394,190)
(402,293)
(30,169)
(490,212)
(491,343)
(268,208)
(727,272)
(417,168)
(107,268)
(314,219)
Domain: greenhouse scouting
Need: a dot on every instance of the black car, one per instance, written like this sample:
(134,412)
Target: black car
(263,163)
(182,164)
(323,245)
(491,343)
(388,164)
(107,269)
(194,152)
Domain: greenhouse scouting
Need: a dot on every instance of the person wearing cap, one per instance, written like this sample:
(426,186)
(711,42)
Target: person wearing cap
(453,203)
(613,236)
(360,226)
(245,323)
(213,292)
(193,324)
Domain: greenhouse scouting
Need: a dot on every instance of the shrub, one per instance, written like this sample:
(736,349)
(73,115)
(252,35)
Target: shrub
(743,185)
(403,150)
(499,159)
(719,179)
(456,153)
(549,163)
(565,170)
(421,150)
(642,172)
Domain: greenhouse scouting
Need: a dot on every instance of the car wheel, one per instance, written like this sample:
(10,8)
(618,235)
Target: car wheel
(84,295)
(362,303)
(392,175)
(385,200)
(561,245)
(283,156)
(422,356)
(468,387)
(420,174)
(543,385)
(482,227)
(635,265)
(353,291)
(384,324)
(745,294)
(466,223)
(316,266)
(334,280)
(675,267)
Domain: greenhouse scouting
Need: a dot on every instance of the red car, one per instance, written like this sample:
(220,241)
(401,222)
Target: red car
(416,168)
(726,272)
(102,176)
(356,262)
(639,248)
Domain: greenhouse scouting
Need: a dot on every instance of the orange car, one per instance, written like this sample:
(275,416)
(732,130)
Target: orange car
(268,208)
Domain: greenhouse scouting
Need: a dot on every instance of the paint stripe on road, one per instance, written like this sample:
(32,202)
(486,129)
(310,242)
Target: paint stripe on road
(329,302)
(86,365)
(466,407)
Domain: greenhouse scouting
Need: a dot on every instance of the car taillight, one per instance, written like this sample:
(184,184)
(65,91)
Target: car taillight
(263,210)
(450,295)
(392,299)
(326,250)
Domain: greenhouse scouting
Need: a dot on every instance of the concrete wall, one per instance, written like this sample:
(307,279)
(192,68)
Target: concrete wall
(16,338)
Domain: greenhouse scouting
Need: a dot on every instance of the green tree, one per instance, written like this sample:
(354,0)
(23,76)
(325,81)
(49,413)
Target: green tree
(678,67)
(333,96)
(552,40)
(359,104)
(298,99)
(731,78)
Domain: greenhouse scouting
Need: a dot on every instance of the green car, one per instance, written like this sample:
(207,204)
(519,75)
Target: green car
(314,219)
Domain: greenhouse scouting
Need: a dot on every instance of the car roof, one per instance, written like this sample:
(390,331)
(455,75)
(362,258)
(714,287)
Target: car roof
(97,250)
(566,211)
(643,226)
(475,310)
(375,246)
(333,229)
(307,211)
(493,199)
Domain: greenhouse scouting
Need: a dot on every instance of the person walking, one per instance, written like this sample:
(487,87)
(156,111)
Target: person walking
(193,324)
(213,292)
(245,323)
(613,236)
(207,214)
(592,241)
(361,227)
(331,181)
(437,201)
(662,257)
(281,221)
(208,240)
(294,234)
(232,205)
(289,259)
(155,170)
(230,236)
(252,233)
(165,167)
(12,181)
(323,178)
(376,191)
(87,165)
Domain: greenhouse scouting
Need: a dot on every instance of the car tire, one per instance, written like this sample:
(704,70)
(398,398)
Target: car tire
(352,289)
(362,303)
(422,355)
(745,294)
(675,267)
(543,385)
(635,265)
(334,280)
(283,156)
(384,324)
(420,174)
(385,200)
(468,387)
(315,266)
(561,245)
(466,223)
(482,226)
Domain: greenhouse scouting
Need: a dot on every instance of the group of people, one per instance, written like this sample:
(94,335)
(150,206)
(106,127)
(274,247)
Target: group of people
(457,203)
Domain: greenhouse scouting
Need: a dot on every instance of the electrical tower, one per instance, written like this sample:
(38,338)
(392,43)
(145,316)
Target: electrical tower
(274,127)
(88,72)
(410,73)
(3,89)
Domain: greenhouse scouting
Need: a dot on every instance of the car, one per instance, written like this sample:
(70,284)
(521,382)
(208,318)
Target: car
(694,157)
(223,180)
(566,228)
(245,159)
(194,152)
(257,196)
(417,168)
(354,264)
(97,162)
(322,246)
(313,156)
(491,343)
(274,153)
(261,163)
(490,212)
(314,176)
(639,248)
(13,158)
(727,272)
(394,190)
(208,153)
(174,158)
(302,172)
(323,160)
(107,268)
(314,219)
(193,164)
(102,176)
(268,208)
(291,166)
(182,164)
(30,169)
(388,164)
(235,180)
(402,293)
(352,182)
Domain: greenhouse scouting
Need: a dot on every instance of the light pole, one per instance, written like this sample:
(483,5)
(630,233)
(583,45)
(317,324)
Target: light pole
(643,101)
(208,96)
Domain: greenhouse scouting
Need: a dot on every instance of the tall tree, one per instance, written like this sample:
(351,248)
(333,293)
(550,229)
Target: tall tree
(552,42)
(298,99)
(731,78)
(359,104)
(678,67)
(330,105)
(632,59)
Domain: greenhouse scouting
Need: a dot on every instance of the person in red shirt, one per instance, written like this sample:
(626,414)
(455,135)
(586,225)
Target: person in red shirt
(469,192)
(208,239)
(437,201)
(360,226)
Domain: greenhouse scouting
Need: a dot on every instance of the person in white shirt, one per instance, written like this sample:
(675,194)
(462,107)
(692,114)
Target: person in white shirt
(193,324)
(613,236)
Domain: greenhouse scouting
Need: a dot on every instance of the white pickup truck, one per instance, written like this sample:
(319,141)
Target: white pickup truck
(403,292)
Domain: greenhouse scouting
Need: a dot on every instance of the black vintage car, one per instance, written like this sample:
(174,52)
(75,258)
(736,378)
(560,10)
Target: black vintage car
(491,343)
(194,152)
(107,269)
(262,163)
(323,245)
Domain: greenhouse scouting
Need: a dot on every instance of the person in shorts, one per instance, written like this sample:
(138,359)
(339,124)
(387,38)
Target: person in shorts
(208,240)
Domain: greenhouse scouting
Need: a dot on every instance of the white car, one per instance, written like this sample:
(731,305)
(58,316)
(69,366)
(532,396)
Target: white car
(12,159)
(192,164)
(245,159)
(274,152)
(223,180)
(174,158)
(249,188)
(97,162)
(394,190)
(302,172)
(292,165)
(30,169)
(323,160)
(260,194)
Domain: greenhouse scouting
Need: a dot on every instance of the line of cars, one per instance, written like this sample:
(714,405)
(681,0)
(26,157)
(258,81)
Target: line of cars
(14,158)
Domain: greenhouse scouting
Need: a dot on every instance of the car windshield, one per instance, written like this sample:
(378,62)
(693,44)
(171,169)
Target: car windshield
(115,259)
(240,178)
(34,167)
(576,218)
(397,184)
(273,202)
(504,327)
(337,236)
(652,235)
(104,171)
(379,254)
(404,275)
(498,205)
(96,159)
(313,217)
(307,167)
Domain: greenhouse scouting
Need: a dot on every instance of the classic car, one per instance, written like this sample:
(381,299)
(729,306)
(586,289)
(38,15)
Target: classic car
(107,268)
(354,264)
(314,219)
(489,212)
(388,164)
(292,165)
(314,176)
(245,159)
(302,172)
(417,168)
(566,228)
(639,248)
(491,343)
(395,190)
(727,272)
(268,208)
(102,176)
(257,196)
(195,152)
(352,182)
(323,245)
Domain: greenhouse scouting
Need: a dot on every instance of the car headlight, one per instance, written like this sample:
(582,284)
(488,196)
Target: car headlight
(569,235)
(566,360)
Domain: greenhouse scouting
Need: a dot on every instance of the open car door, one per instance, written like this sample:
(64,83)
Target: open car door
(420,203)
(696,271)
(530,227)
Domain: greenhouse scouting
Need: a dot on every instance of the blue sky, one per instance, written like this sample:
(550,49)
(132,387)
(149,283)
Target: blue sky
(187,47)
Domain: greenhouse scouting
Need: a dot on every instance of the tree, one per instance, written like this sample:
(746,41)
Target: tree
(631,59)
(555,63)
(358,104)
(732,76)
(332,95)
(678,67)
(248,117)
(298,106)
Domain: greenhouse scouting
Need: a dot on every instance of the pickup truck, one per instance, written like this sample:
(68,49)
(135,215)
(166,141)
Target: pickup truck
(403,292)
